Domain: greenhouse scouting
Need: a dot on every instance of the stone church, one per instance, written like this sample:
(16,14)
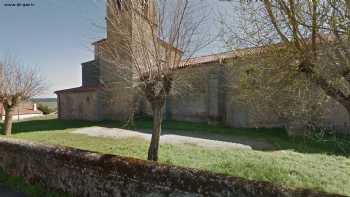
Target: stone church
(212,102)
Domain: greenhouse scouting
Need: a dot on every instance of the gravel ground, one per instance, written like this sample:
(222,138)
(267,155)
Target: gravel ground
(165,139)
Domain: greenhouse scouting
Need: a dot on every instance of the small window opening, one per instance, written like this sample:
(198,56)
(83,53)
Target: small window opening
(144,7)
(119,4)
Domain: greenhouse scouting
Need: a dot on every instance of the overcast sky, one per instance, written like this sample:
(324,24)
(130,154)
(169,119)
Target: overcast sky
(55,36)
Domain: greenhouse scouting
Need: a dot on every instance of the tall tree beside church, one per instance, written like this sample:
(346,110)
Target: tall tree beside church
(306,39)
(17,84)
(148,41)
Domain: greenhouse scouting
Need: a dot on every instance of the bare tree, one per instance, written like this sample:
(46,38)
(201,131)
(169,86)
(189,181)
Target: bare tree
(146,51)
(17,84)
(305,39)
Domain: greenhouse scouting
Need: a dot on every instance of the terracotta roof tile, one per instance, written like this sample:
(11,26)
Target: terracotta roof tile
(220,57)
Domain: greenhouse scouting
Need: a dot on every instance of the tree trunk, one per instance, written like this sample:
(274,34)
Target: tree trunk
(8,121)
(157,129)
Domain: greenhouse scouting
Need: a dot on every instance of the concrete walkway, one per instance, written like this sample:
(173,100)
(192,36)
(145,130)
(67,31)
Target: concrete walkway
(169,138)
(7,192)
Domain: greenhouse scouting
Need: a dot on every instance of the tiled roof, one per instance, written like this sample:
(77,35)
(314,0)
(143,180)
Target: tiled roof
(79,89)
(218,57)
(221,57)
(165,44)
(245,52)
(99,41)
(88,63)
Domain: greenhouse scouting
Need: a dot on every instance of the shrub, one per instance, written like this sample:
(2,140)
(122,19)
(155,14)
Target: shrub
(45,109)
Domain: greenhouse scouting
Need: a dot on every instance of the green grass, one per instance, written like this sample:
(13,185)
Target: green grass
(320,164)
(276,136)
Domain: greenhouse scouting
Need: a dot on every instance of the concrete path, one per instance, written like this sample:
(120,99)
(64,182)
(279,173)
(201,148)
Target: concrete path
(7,192)
(169,138)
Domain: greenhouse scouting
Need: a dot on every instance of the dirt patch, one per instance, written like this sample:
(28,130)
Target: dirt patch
(173,138)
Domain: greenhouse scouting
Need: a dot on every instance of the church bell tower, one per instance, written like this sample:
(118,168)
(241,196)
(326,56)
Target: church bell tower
(121,14)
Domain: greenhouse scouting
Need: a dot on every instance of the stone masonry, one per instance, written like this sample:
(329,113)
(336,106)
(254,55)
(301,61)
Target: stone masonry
(212,100)
(84,174)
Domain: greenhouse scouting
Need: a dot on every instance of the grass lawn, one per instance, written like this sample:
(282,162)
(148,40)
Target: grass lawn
(318,163)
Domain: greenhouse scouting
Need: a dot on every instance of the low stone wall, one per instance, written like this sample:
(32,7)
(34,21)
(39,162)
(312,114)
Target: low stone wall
(83,173)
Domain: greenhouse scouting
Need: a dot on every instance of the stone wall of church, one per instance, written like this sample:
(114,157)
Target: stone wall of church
(78,106)
(239,113)
(204,93)
(201,93)
(236,112)
(210,93)
(116,101)
(207,93)
(336,117)
(90,74)
(196,95)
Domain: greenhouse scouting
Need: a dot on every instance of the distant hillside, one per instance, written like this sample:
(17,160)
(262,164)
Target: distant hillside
(50,102)
(44,100)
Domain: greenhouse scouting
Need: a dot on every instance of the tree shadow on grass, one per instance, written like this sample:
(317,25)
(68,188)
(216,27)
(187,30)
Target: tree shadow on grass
(55,124)
(254,142)
(258,139)
(263,139)
(47,125)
